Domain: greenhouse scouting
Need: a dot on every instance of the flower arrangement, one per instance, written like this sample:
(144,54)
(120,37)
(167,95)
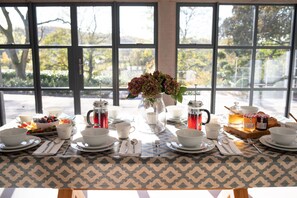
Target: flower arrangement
(150,85)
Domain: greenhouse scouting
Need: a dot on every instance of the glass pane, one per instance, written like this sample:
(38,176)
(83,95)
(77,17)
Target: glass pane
(236,25)
(54,27)
(234,68)
(54,67)
(274,25)
(14,21)
(195,26)
(136,24)
(271,102)
(16,68)
(94,25)
(18,102)
(227,98)
(97,67)
(134,62)
(89,96)
(61,99)
(194,66)
(271,68)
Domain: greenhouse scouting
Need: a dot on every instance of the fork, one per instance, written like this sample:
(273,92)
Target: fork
(250,141)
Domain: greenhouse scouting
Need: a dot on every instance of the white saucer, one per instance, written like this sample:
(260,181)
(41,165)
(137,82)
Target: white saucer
(293,145)
(267,141)
(179,146)
(76,147)
(209,145)
(32,141)
(80,142)
(21,145)
(176,120)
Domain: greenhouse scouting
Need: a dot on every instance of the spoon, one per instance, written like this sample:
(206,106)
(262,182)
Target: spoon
(134,142)
(226,141)
(223,142)
(157,145)
(51,144)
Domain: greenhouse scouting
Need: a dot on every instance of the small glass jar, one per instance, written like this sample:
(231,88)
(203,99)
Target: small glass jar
(262,122)
(235,118)
(249,122)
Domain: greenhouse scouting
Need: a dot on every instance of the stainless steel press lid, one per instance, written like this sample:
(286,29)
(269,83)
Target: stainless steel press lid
(100,103)
(195,103)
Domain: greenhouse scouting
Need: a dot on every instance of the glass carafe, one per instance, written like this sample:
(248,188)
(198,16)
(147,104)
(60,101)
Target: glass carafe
(195,115)
(100,114)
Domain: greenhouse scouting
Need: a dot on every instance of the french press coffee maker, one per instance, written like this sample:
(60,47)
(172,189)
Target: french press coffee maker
(100,114)
(195,115)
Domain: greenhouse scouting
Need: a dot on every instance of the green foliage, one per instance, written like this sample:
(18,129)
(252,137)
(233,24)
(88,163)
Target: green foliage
(48,79)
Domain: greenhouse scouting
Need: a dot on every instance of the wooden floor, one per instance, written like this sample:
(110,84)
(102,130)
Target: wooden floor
(52,193)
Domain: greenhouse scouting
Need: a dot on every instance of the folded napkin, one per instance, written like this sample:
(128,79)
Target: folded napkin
(126,149)
(227,149)
(49,148)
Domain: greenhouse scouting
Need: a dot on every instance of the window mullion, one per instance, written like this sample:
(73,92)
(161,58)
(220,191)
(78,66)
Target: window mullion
(214,57)
(35,57)
(254,51)
(291,64)
(115,52)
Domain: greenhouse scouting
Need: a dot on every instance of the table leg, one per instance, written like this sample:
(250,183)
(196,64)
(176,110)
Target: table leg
(70,193)
(241,193)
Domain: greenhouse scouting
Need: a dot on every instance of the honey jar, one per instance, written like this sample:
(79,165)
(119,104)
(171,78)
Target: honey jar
(235,118)
(249,122)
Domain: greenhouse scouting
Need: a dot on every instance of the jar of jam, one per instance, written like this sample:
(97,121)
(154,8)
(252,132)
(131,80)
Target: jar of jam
(262,122)
(249,122)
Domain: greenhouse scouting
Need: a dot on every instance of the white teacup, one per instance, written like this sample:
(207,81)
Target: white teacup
(212,130)
(124,129)
(175,111)
(114,112)
(64,131)
(25,117)
(53,111)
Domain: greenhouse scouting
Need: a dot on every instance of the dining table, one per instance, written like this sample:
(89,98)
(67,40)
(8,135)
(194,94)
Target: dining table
(158,167)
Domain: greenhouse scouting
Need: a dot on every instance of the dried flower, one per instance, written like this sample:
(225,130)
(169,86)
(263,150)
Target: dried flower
(150,85)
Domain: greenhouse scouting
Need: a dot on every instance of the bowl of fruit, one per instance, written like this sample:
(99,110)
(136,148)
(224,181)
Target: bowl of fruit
(46,122)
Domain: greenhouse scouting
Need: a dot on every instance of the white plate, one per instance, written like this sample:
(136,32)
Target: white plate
(76,147)
(24,143)
(80,142)
(292,146)
(266,140)
(209,146)
(35,142)
(179,146)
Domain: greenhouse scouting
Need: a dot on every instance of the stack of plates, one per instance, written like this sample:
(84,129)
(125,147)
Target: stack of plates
(267,141)
(206,146)
(80,145)
(29,143)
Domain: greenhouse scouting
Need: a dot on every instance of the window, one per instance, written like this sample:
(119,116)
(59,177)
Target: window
(74,53)
(245,57)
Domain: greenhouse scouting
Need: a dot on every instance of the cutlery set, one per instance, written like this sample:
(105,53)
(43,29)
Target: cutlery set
(227,147)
